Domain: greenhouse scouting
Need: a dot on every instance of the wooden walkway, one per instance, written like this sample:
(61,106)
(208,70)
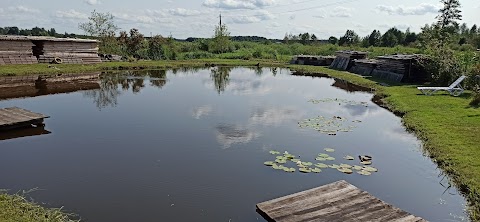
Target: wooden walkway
(339,201)
(14,117)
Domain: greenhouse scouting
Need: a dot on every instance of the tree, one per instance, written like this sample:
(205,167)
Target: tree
(333,40)
(314,38)
(473,30)
(374,39)
(389,39)
(13,31)
(221,39)
(449,14)
(100,25)
(304,37)
(350,38)
(134,43)
(410,37)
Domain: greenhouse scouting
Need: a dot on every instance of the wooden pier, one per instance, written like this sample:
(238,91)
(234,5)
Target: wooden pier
(339,201)
(14,117)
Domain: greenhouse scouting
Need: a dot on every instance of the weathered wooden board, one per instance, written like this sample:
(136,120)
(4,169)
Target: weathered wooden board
(15,117)
(339,201)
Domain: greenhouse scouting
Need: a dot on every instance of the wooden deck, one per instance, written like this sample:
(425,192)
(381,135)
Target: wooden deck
(14,117)
(339,201)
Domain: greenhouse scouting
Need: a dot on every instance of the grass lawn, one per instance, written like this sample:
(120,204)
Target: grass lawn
(448,126)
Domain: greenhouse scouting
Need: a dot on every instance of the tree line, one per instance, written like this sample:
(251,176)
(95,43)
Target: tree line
(37,31)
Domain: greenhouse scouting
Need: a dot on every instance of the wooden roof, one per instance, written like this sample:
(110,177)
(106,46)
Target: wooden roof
(44,38)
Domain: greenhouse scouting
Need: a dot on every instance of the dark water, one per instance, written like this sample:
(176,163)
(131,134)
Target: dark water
(190,146)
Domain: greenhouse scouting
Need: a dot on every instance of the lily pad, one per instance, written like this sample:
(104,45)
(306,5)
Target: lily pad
(274,152)
(365,158)
(316,170)
(334,166)
(370,169)
(330,150)
(289,170)
(349,157)
(345,170)
(321,165)
(307,163)
(276,167)
(289,156)
(366,162)
(269,163)
(365,173)
(282,161)
(304,170)
(346,166)
(320,159)
(330,158)
(357,168)
(295,160)
(280,157)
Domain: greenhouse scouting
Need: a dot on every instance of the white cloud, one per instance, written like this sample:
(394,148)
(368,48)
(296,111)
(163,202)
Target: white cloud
(93,2)
(238,4)
(421,9)
(229,134)
(258,17)
(184,12)
(341,12)
(71,14)
(22,9)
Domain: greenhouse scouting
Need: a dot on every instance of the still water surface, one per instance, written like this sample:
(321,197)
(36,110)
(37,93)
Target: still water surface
(190,146)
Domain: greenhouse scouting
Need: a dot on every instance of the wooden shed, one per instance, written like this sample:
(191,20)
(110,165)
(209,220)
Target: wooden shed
(49,49)
(345,59)
(407,68)
(15,50)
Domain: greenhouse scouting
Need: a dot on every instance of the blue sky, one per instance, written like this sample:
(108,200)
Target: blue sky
(268,18)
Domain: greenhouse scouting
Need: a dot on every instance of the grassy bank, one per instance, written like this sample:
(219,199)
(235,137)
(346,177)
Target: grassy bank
(448,126)
(15,208)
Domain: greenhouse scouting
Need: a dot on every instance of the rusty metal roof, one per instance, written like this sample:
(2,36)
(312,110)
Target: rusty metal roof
(44,38)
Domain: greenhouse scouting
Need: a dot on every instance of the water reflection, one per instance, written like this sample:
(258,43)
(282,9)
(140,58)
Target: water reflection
(229,134)
(23,132)
(274,116)
(112,85)
(202,111)
(220,77)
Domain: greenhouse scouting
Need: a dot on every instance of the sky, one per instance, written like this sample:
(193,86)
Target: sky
(267,18)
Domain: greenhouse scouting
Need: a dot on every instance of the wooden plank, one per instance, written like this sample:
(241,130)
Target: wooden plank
(339,201)
(16,117)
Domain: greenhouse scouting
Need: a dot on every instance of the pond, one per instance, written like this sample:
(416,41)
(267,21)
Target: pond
(190,145)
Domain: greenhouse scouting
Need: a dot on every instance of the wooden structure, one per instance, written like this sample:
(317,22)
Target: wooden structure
(312,60)
(16,51)
(338,201)
(48,50)
(405,68)
(345,59)
(14,117)
(364,67)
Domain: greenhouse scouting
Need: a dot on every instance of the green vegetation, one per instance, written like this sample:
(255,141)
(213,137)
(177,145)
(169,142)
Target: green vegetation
(16,208)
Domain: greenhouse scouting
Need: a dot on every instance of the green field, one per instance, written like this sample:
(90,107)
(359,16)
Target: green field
(448,126)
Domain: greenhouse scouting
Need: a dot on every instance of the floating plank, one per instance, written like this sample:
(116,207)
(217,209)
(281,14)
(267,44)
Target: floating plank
(339,201)
(14,117)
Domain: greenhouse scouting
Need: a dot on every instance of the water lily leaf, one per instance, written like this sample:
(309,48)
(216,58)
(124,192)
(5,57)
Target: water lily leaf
(357,168)
(330,150)
(275,167)
(365,173)
(280,157)
(370,169)
(274,152)
(269,163)
(346,166)
(345,170)
(321,165)
(307,163)
(349,157)
(295,160)
(282,161)
(289,156)
(366,162)
(289,170)
(320,159)
(334,166)
(323,155)
(330,158)
(304,170)
(316,170)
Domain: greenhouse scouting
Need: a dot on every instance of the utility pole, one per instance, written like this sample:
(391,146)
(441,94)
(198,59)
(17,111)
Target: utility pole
(221,29)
